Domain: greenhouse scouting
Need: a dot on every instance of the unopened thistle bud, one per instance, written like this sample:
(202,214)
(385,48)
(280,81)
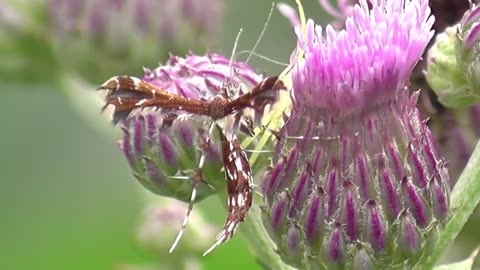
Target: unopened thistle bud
(453,68)
(357,181)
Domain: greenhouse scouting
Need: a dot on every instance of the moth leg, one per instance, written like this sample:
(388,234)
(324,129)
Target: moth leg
(197,180)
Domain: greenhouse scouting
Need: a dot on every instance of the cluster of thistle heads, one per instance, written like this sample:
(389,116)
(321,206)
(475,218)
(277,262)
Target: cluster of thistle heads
(353,176)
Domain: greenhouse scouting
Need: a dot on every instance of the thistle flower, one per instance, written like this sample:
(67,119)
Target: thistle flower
(455,135)
(164,152)
(357,181)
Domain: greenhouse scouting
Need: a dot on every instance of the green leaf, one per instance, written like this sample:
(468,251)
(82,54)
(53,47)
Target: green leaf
(463,265)
(464,199)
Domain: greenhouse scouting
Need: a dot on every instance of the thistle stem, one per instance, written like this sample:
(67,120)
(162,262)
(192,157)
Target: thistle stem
(259,242)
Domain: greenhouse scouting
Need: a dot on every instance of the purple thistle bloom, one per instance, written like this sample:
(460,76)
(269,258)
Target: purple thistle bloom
(455,136)
(355,161)
(164,153)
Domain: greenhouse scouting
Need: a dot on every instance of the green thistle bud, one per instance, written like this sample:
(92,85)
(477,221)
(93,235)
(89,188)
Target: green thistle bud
(453,63)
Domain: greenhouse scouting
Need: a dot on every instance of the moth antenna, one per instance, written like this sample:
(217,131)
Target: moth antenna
(261,33)
(198,179)
(235,44)
(262,57)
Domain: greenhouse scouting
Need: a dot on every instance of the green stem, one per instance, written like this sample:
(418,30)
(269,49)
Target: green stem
(260,243)
(464,199)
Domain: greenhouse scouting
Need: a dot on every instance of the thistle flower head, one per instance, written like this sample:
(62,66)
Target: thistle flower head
(356,178)
(164,148)
(373,57)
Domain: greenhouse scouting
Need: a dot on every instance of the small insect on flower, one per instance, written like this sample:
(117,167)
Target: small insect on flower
(131,97)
